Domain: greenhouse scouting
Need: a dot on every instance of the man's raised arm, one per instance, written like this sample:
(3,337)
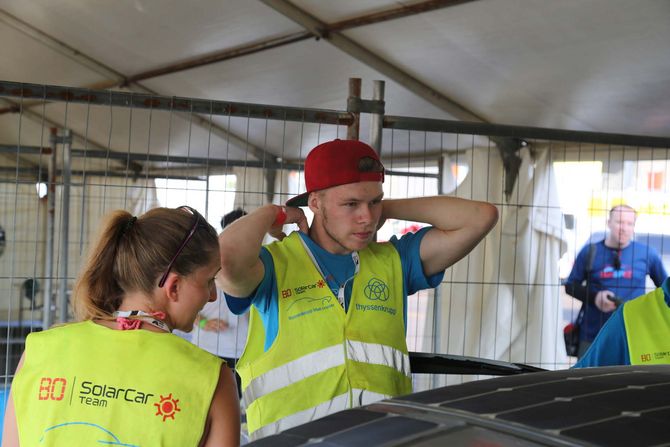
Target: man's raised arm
(459,226)
(240,245)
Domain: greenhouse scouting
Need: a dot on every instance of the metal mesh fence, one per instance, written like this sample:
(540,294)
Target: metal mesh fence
(71,155)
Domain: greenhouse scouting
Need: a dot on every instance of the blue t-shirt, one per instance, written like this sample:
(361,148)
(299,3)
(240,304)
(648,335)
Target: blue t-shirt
(337,269)
(636,261)
(610,347)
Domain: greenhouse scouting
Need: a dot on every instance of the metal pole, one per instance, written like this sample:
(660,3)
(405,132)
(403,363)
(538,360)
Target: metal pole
(436,344)
(77,95)
(47,309)
(437,333)
(354,94)
(66,141)
(377,119)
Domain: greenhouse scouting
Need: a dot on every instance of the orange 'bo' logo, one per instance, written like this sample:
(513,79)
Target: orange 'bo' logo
(52,388)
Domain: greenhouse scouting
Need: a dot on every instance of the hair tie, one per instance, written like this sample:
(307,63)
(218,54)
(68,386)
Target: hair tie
(130,320)
(128,324)
(129,223)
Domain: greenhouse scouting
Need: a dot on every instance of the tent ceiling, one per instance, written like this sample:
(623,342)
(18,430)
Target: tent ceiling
(600,65)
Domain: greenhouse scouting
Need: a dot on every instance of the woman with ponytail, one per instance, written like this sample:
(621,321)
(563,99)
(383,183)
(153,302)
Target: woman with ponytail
(118,375)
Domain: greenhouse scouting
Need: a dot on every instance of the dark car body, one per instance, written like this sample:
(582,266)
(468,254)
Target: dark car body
(613,406)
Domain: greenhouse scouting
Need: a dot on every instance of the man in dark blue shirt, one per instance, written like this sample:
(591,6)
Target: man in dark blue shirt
(611,271)
(611,347)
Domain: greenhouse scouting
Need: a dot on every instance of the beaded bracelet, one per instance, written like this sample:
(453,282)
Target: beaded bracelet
(202,322)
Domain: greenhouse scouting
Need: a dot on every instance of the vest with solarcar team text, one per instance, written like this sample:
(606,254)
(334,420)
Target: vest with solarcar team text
(86,384)
(647,323)
(323,359)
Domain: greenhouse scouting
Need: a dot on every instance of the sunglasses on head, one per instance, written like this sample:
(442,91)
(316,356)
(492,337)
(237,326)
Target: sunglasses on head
(617,261)
(369,164)
(198,220)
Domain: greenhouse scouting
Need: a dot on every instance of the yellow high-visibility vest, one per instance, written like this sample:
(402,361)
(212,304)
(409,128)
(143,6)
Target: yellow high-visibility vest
(86,384)
(323,359)
(647,323)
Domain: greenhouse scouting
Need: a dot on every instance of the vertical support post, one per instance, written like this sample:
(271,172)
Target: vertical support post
(440,175)
(206,210)
(377,119)
(353,131)
(270,180)
(66,140)
(47,309)
(437,333)
(437,291)
(83,213)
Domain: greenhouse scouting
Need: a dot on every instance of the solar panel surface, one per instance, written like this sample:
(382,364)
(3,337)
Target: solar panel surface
(613,406)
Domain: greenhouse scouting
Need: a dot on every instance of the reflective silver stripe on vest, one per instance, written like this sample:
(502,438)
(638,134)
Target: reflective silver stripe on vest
(377,354)
(334,405)
(339,403)
(320,361)
(365,397)
(295,371)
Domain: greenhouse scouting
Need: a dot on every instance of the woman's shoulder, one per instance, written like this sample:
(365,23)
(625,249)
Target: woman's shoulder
(61,329)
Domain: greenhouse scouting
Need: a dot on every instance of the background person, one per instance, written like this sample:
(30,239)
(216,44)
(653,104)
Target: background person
(118,376)
(232,216)
(328,304)
(610,270)
(638,333)
(219,331)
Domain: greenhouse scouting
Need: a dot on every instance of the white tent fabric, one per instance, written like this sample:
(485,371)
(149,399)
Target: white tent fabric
(250,188)
(141,197)
(502,302)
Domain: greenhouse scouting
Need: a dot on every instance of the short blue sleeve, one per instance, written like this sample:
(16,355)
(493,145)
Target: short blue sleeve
(263,298)
(610,348)
(238,306)
(408,247)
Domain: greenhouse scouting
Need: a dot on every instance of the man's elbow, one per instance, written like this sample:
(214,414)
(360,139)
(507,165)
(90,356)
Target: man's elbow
(487,216)
(238,277)
(232,261)
(232,284)
(234,272)
(227,271)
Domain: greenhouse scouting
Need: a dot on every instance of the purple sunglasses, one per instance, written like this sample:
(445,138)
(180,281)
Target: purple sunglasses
(189,235)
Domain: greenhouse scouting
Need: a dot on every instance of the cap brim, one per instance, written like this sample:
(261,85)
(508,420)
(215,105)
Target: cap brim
(300,200)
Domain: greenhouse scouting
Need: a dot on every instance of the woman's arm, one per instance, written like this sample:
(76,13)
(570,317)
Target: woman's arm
(10,431)
(223,420)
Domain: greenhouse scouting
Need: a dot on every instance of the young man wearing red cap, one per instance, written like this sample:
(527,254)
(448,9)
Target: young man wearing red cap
(328,303)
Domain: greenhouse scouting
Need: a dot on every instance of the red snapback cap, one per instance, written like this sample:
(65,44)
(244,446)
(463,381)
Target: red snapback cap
(339,162)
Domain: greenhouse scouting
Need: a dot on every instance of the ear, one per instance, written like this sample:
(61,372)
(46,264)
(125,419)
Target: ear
(314,202)
(171,286)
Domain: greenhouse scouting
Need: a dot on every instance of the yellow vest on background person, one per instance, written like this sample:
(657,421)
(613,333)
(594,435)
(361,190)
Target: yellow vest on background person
(86,384)
(323,359)
(647,323)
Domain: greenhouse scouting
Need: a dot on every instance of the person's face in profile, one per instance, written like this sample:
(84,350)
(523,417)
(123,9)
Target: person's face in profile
(195,290)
